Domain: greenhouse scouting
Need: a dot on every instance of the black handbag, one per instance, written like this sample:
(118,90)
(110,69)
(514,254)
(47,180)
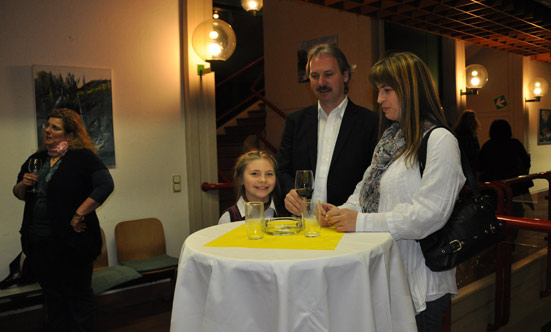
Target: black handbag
(471,228)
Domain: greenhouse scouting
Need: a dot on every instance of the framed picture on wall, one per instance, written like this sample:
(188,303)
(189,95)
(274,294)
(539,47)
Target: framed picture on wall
(302,53)
(544,127)
(84,90)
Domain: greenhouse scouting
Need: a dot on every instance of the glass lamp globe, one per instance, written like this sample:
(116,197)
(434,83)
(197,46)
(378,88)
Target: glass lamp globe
(477,76)
(213,39)
(538,87)
(252,6)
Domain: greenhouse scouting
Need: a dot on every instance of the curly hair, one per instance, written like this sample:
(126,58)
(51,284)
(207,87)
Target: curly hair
(72,123)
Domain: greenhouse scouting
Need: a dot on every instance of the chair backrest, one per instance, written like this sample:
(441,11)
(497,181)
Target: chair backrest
(139,239)
(102,262)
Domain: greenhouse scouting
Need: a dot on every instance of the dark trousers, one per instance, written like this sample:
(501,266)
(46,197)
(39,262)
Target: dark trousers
(67,286)
(431,319)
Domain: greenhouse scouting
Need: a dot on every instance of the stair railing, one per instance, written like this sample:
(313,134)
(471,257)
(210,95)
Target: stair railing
(227,184)
(504,252)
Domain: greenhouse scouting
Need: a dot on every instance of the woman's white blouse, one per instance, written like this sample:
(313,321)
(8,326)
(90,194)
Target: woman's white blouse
(225,217)
(411,207)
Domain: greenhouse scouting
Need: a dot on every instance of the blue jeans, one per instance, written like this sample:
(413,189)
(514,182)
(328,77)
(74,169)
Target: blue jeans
(431,319)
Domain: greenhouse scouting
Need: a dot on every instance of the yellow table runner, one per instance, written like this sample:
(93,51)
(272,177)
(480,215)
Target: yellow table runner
(328,240)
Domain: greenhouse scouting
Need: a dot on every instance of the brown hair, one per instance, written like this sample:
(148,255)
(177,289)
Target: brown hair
(72,123)
(410,77)
(467,122)
(329,49)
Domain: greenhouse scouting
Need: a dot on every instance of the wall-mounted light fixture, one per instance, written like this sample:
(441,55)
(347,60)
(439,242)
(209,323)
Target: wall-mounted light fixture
(213,39)
(538,88)
(477,76)
(252,6)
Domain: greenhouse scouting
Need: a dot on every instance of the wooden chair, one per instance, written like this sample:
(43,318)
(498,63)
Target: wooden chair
(141,245)
(106,277)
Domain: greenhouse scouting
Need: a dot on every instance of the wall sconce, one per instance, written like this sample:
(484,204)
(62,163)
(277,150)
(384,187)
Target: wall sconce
(252,6)
(213,39)
(477,76)
(538,88)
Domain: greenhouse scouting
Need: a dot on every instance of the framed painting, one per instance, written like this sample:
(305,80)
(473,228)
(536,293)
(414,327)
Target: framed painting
(544,127)
(84,90)
(302,53)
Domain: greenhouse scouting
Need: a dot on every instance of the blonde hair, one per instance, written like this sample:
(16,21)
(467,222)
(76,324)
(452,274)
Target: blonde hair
(241,164)
(239,170)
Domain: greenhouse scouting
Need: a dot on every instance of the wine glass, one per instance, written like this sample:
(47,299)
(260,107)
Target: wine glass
(304,183)
(34,167)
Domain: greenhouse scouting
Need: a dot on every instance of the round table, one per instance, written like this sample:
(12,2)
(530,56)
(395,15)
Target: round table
(358,286)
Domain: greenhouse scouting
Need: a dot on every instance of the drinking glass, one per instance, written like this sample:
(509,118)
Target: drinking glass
(304,183)
(254,217)
(34,167)
(311,217)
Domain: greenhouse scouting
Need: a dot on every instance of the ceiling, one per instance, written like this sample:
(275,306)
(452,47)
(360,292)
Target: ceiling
(518,26)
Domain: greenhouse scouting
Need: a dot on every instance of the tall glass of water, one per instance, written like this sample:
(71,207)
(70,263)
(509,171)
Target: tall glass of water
(254,217)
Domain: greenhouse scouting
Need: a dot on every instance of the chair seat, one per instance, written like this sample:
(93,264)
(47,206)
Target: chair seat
(152,264)
(112,276)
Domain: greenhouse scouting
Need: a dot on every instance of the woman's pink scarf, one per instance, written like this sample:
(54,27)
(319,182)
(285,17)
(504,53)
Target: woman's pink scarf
(58,150)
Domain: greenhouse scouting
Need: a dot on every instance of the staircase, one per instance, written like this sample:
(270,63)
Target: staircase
(238,137)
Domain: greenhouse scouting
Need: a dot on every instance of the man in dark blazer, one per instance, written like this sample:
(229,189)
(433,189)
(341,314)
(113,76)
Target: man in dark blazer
(347,134)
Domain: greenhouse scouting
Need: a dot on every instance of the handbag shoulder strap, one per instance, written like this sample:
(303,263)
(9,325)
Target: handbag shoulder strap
(467,171)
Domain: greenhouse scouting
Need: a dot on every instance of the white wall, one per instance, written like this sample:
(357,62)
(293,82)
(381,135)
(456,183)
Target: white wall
(303,22)
(140,42)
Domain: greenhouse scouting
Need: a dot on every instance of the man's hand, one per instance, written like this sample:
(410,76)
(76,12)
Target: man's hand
(293,203)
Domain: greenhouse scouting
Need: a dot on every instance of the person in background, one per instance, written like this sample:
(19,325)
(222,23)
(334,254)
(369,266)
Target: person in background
(392,196)
(504,157)
(466,132)
(60,233)
(335,138)
(255,179)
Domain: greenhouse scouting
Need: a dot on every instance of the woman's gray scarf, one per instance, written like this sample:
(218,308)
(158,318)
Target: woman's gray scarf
(390,145)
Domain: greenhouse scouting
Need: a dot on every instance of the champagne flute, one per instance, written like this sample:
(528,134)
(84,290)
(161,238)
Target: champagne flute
(34,167)
(304,183)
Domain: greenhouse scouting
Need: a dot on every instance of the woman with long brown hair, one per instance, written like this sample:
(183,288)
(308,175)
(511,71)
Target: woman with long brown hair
(393,197)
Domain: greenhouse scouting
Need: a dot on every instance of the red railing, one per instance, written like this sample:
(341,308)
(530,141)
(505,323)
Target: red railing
(504,251)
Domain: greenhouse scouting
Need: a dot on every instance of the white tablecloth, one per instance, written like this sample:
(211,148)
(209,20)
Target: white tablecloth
(359,286)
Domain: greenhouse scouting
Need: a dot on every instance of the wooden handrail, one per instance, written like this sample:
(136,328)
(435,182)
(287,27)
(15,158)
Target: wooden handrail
(227,79)
(266,142)
(231,110)
(223,176)
(269,104)
(205,186)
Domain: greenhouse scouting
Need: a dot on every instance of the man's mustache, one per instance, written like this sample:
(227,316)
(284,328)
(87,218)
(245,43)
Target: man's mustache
(324,89)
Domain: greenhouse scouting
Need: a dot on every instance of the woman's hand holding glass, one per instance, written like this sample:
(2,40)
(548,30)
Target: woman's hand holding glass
(344,220)
(32,177)
(29,179)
